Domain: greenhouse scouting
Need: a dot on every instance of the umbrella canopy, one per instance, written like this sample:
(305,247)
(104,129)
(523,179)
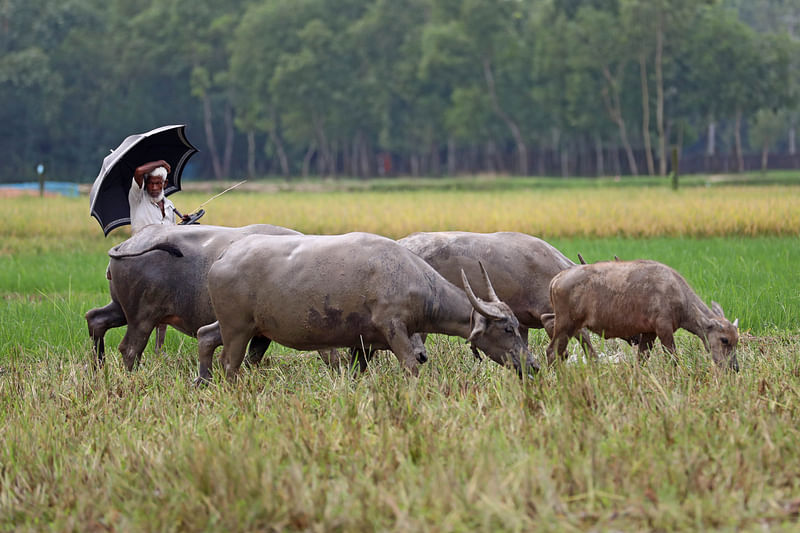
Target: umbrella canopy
(109,195)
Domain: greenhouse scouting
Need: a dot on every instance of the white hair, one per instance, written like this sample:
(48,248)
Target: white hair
(160,172)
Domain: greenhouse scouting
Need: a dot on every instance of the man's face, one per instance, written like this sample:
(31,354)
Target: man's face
(155,186)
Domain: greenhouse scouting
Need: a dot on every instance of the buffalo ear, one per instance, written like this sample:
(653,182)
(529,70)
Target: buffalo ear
(478,328)
(702,317)
(717,309)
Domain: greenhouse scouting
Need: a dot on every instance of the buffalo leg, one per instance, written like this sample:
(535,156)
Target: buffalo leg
(257,349)
(161,335)
(665,335)
(233,349)
(133,344)
(208,339)
(548,322)
(559,341)
(402,346)
(332,357)
(646,341)
(586,343)
(362,356)
(557,347)
(100,320)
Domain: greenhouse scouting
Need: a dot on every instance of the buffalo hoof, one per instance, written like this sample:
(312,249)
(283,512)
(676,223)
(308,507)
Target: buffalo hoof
(202,381)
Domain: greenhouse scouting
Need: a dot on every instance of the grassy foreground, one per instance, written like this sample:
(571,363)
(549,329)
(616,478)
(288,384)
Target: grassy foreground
(466,446)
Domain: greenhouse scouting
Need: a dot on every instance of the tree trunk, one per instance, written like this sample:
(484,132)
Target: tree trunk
(251,154)
(711,147)
(792,139)
(365,170)
(414,164)
(764,156)
(616,161)
(229,137)
(737,134)
(489,157)
(312,147)
(283,159)
(276,140)
(541,167)
(648,150)
(435,166)
(598,147)
(333,158)
(474,159)
(659,60)
(451,157)
(324,159)
(522,150)
(662,137)
(210,141)
(564,161)
(614,108)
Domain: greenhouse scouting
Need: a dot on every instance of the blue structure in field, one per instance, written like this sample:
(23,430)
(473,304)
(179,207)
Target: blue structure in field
(55,187)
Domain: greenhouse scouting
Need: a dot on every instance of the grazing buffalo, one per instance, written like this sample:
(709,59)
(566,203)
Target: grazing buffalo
(520,266)
(637,299)
(358,291)
(158,276)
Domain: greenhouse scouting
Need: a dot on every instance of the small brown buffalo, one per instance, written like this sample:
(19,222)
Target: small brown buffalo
(626,299)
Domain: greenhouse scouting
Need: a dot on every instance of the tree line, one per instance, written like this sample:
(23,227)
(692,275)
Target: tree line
(417,87)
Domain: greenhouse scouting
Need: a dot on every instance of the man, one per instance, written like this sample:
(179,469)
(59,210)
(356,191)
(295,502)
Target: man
(149,206)
(146,196)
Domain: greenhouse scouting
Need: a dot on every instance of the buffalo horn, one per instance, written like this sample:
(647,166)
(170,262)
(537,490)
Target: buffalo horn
(492,295)
(476,302)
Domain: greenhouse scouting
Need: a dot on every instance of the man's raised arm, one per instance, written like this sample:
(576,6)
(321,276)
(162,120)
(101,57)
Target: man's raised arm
(139,173)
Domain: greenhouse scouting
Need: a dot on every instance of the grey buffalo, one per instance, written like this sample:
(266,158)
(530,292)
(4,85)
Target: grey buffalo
(358,291)
(631,299)
(520,266)
(159,276)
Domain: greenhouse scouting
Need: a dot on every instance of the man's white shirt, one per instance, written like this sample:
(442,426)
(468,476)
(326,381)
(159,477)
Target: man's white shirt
(145,211)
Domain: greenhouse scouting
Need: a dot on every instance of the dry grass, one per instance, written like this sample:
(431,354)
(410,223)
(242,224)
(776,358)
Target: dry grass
(639,212)
(466,446)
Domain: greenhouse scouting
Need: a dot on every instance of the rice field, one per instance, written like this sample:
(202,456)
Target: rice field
(466,446)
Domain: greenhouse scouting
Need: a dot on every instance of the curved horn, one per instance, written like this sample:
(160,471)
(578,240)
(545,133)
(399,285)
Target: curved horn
(581,259)
(476,302)
(736,323)
(492,295)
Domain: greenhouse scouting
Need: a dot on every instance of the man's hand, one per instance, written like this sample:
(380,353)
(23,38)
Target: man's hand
(185,218)
(147,168)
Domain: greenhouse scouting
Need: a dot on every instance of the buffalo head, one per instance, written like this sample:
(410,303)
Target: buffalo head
(495,329)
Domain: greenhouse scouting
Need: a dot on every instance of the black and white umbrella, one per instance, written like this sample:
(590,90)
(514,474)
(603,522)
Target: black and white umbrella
(108,198)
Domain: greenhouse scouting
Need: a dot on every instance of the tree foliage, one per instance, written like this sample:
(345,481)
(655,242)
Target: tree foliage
(365,87)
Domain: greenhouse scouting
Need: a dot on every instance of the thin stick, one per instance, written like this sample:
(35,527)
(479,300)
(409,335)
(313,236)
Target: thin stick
(217,196)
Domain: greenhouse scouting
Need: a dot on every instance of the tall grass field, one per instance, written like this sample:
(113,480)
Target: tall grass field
(612,444)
